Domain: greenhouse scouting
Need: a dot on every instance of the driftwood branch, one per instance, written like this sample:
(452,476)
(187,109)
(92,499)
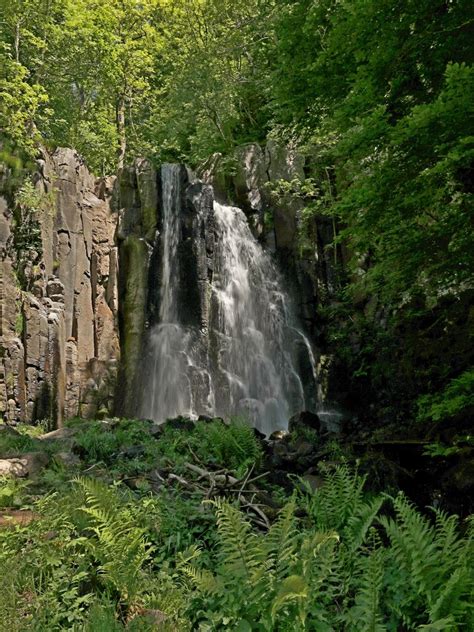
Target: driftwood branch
(212,484)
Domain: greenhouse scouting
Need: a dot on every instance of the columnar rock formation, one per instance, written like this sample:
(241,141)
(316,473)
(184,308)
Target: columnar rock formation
(58,293)
(80,268)
(143,196)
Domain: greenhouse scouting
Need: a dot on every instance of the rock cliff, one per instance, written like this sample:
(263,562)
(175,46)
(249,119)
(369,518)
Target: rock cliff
(276,219)
(80,267)
(58,292)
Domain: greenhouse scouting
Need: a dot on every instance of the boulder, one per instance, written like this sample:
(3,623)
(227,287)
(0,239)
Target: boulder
(15,467)
(304,419)
(35,462)
(206,418)
(67,459)
(155,430)
(302,448)
(180,423)
(28,464)
(278,435)
(132,452)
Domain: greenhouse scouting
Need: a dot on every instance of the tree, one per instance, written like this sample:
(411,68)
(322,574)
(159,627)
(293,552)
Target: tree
(213,94)
(111,50)
(384,92)
(24,31)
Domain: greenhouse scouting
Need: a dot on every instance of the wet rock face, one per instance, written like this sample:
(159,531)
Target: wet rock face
(58,331)
(137,205)
(275,219)
(257,169)
(222,336)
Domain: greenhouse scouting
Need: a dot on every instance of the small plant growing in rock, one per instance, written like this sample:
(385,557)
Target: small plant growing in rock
(27,230)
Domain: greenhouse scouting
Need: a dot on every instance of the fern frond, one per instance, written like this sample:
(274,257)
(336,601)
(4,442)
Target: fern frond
(449,595)
(365,616)
(239,545)
(120,546)
(413,543)
(281,541)
(98,496)
(292,589)
(203,580)
(317,555)
(338,499)
(450,545)
(360,522)
(447,623)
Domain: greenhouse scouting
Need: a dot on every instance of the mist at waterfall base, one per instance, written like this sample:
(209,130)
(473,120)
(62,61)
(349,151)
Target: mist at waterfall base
(246,359)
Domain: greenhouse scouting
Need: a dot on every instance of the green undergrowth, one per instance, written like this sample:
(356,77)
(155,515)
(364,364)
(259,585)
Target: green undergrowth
(128,446)
(118,540)
(11,445)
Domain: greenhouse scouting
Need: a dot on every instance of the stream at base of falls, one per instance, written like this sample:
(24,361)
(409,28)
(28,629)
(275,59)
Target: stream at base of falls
(245,355)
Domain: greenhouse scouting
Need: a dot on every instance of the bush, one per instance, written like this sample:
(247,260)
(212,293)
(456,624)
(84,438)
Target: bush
(456,400)
(98,556)
(90,547)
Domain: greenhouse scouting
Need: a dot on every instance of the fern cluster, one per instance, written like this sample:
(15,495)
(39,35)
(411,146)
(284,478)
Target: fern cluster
(233,446)
(100,557)
(344,567)
(89,554)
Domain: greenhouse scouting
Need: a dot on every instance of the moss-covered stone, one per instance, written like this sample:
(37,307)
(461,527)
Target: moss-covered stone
(134,256)
(148,193)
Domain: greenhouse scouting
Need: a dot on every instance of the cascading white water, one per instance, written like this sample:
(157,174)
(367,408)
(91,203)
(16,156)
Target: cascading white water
(170,393)
(252,327)
(244,363)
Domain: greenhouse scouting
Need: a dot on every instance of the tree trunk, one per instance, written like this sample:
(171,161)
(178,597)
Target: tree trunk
(122,138)
(17,42)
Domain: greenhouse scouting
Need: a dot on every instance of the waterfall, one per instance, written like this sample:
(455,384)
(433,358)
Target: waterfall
(169,393)
(241,359)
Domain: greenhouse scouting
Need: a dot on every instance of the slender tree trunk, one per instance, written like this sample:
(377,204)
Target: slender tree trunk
(334,227)
(122,138)
(17,42)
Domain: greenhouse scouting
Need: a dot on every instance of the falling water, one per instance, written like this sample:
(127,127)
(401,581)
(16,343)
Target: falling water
(245,363)
(170,392)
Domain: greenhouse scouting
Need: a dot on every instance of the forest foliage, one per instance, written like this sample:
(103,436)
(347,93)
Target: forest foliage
(378,92)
